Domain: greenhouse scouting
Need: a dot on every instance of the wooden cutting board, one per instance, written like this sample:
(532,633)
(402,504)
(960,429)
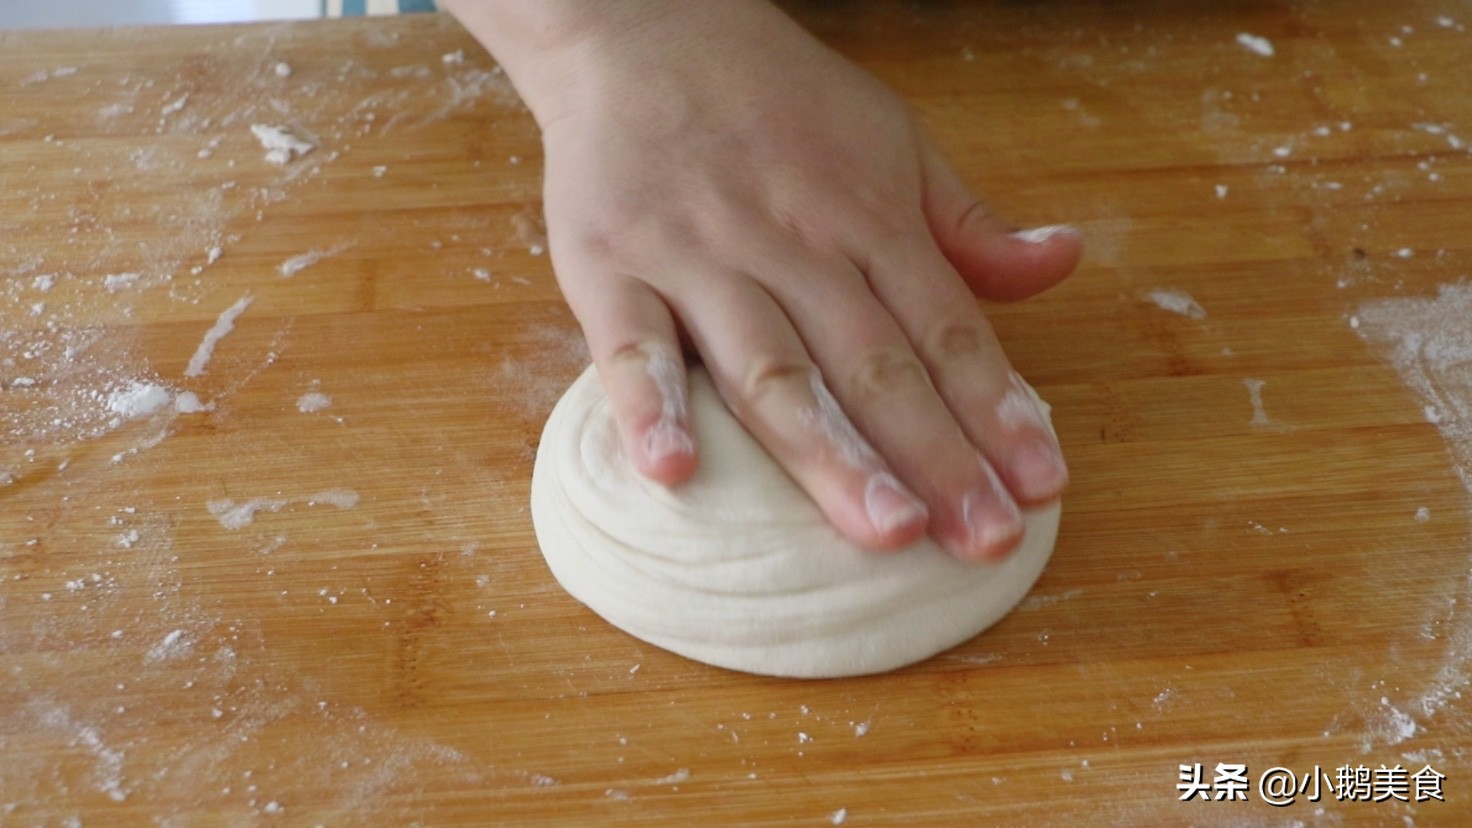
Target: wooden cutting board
(320,601)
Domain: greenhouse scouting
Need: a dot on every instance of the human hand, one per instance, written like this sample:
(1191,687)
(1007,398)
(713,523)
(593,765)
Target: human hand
(714,171)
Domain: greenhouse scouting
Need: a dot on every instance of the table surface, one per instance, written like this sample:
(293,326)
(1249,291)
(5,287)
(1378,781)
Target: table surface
(320,601)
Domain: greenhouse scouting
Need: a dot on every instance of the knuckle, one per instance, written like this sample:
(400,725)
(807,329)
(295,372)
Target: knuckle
(645,357)
(968,360)
(816,235)
(770,374)
(888,370)
(957,338)
(601,242)
(624,236)
(634,352)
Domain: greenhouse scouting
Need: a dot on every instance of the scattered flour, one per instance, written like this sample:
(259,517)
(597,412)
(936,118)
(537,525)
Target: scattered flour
(1430,346)
(296,264)
(281,146)
(1254,393)
(983,658)
(1255,44)
(675,778)
(188,402)
(238,515)
(313,401)
(138,399)
(223,325)
(173,645)
(118,281)
(1400,724)
(109,770)
(176,106)
(1177,301)
(69,384)
(839,816)
(1429,343)
(1036,602)
(341,498)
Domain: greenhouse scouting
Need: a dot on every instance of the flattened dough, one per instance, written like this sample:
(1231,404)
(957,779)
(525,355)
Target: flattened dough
(736,567)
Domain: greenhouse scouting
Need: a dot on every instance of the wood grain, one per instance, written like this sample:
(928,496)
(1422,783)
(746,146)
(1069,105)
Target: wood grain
(380,643)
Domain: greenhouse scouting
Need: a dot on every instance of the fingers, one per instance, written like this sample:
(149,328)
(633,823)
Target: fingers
(994,407)
(998,264)
(878,378)
(632,339)
(764,372)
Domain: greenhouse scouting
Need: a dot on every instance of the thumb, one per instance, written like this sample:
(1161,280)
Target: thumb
(998,264)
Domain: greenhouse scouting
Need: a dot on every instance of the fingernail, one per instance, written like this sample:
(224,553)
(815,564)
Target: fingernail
(1038,235)
(1039,469)
(993,523)
(666,439)
(888,505)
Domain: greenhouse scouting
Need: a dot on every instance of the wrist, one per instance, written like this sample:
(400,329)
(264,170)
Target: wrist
(558,53)
(543,44)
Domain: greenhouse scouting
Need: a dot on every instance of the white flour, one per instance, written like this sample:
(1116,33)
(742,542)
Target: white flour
(175,644)
(341,498)
(1176,301)
(138,399)
(78,371)
(1260,46)
(119,281)
(313,401)
(238,515)
(296,264)
(280,145)
(1429,342)
(224,324)
(1254,394)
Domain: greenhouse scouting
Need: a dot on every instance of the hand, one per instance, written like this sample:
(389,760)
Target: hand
(714,171)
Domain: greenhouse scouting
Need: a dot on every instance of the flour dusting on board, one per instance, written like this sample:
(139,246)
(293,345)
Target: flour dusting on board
(534,384)
(1256,44)
(1176,301)
(173,201)
(138,399)
(1430,345)
(1254,395)
(312,402)
(280,144)
(1429,342)
(223,325)
(238,514)
(296,264)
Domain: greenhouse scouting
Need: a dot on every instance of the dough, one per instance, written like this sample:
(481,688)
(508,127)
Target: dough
(736,567)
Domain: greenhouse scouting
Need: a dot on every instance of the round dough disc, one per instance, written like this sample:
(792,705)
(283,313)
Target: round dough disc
(736,567)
